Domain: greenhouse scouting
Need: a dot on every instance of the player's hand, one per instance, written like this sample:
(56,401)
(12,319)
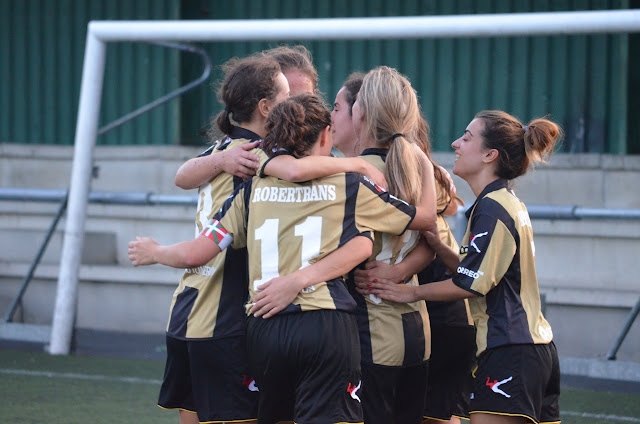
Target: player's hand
(453,190)
(374,175)
(374,271)
(240,162)
(432,235)
(141,251)
(388,290)
(275,295)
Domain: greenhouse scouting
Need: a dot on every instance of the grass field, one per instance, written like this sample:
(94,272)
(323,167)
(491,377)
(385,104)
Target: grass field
(39,388)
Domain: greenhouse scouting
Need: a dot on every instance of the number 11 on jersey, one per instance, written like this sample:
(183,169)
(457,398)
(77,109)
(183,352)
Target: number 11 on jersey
(310,231)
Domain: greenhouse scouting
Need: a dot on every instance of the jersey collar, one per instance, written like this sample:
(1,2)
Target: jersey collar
(376,151)
(493,186)
(239,132)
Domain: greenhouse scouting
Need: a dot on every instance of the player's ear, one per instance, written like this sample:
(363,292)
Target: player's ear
(264,107)
(490,155)
(325,136)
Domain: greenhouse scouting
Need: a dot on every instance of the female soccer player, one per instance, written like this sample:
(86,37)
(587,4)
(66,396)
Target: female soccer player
(394,337)
(296,65)
(452,333)
(344,137)
(517,379)
(315,370)
(206,317)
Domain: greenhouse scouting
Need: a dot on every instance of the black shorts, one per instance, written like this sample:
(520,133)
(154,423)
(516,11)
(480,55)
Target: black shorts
(307,366)
(453,358)
(518,380)
(209,377)
(393,394)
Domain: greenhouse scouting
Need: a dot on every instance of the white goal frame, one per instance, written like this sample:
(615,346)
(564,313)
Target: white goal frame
(101,32)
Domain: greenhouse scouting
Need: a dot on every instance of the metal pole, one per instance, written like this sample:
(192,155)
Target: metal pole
(485,25)
(25,282)
(627,326)
(85,140)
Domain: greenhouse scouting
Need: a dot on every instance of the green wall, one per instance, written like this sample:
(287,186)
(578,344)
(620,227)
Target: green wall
(582,82)
(41,55)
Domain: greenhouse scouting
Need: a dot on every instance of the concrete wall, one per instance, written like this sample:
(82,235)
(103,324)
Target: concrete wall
(586,268)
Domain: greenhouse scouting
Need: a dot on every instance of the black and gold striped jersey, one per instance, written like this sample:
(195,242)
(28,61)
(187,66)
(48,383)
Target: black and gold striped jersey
(287,226)
(209,301)
(449,313)
(498,266)
(391,334)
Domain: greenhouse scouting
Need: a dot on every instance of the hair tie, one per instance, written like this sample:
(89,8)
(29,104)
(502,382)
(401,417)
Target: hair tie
(226,109)
(396,135)
(525,128)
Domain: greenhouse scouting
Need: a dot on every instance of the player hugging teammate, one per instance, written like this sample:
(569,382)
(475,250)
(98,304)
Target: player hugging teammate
(317,343)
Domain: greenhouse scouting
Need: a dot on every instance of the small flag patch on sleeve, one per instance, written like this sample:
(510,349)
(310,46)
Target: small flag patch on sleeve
(216,232)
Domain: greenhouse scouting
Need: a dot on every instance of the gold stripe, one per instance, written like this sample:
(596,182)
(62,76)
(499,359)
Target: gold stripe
(176,409)
(503,414)
(424,418)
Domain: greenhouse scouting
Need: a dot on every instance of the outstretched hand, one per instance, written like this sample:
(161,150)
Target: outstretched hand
(240,162)
(275,295)
(141,251)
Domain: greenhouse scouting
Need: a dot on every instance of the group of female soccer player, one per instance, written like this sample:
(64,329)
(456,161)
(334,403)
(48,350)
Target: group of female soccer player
(303,296)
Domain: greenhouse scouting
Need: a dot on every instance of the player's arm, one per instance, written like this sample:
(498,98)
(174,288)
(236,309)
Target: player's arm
(441,291)
(238,161)
(186,254)
(425,217)
(279,292)
(292,169)
(413,263)
(449,257)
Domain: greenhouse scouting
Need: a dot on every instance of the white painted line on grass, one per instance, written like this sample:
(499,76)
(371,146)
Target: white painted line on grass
(80,376)
(150,381)
(601,416)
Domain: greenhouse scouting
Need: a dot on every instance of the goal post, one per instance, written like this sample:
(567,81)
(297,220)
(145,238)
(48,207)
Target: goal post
(101,32)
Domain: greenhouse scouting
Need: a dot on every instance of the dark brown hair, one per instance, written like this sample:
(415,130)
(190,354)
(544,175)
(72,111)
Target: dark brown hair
(295,124)
(296,57)
(518,146)
(352,85)
(246,82)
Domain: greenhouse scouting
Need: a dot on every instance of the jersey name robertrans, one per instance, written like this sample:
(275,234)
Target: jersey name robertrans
(288,226)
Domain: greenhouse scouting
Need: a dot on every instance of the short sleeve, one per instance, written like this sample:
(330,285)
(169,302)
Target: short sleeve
(233,214)
(263,162)
(490,252)
(378,210)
